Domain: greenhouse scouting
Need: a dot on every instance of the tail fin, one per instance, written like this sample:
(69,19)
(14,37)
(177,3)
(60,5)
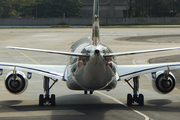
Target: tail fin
(95,30)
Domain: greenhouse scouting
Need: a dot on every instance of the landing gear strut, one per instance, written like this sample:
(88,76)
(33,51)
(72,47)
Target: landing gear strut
(46,98)
(135,98)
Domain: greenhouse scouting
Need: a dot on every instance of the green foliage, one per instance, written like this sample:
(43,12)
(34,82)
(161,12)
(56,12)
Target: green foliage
(26,8)
(6,8)
(56,8)
(40,8)
(177,5)
(71,8)
(160,8)
(1,11)
(139,8)
(154,8)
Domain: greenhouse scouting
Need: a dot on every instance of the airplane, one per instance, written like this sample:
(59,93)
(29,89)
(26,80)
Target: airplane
(92,67)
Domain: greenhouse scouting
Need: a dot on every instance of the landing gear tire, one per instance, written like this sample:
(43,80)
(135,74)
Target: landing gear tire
(129,100)
(91,92)
(53,100)
(141,100)
(41,100)
(85,92)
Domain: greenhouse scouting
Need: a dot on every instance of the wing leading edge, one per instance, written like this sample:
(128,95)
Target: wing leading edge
(130,71)
(52,71)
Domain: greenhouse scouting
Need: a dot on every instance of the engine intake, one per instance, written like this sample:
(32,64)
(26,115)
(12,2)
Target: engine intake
(18,85)
(161,84)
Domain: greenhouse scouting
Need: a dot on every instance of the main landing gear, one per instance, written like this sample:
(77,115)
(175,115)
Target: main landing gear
(135,98)
(46,98)
(86,92)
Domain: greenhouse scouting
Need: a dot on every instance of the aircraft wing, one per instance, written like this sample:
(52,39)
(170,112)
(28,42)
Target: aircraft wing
(130,71)
(52,71)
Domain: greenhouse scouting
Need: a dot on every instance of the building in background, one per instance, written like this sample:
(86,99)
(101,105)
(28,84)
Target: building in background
(108,8)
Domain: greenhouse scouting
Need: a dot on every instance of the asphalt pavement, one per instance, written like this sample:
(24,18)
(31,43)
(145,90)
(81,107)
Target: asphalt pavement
(74,105)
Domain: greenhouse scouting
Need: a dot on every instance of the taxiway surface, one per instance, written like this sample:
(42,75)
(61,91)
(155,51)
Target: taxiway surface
(74,105)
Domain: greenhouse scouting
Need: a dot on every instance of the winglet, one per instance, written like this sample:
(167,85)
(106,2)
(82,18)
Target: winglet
(95,30)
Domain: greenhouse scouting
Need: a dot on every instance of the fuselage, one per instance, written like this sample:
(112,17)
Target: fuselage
(91,73)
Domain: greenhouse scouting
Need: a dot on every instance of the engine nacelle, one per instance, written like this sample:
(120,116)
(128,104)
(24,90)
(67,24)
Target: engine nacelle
(18,85)
(161,85)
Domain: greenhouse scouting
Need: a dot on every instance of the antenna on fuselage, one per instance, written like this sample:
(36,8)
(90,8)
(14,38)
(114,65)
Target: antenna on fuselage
(95,29)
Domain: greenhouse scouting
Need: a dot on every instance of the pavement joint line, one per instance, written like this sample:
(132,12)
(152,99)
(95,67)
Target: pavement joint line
(28,57)
(119,102)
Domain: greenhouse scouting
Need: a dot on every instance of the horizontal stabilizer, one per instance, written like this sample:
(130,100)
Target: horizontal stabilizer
(48,51)
(138,52)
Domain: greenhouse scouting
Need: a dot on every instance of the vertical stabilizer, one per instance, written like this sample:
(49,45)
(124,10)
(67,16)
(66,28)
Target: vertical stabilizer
(95,30)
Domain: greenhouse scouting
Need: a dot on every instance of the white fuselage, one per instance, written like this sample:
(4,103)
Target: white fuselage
(91,73)
(95,74)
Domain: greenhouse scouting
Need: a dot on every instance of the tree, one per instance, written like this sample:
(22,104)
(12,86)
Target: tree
(26,8)
(160,8)
(48,8)
(56,8)
(1,11)
(6,9)
(139,8)
(152,8)
(177,5)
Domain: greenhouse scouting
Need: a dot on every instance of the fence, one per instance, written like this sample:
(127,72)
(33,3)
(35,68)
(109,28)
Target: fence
(85,21)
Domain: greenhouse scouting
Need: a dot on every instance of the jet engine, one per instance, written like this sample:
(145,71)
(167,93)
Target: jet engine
(16,83)
(163,82)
